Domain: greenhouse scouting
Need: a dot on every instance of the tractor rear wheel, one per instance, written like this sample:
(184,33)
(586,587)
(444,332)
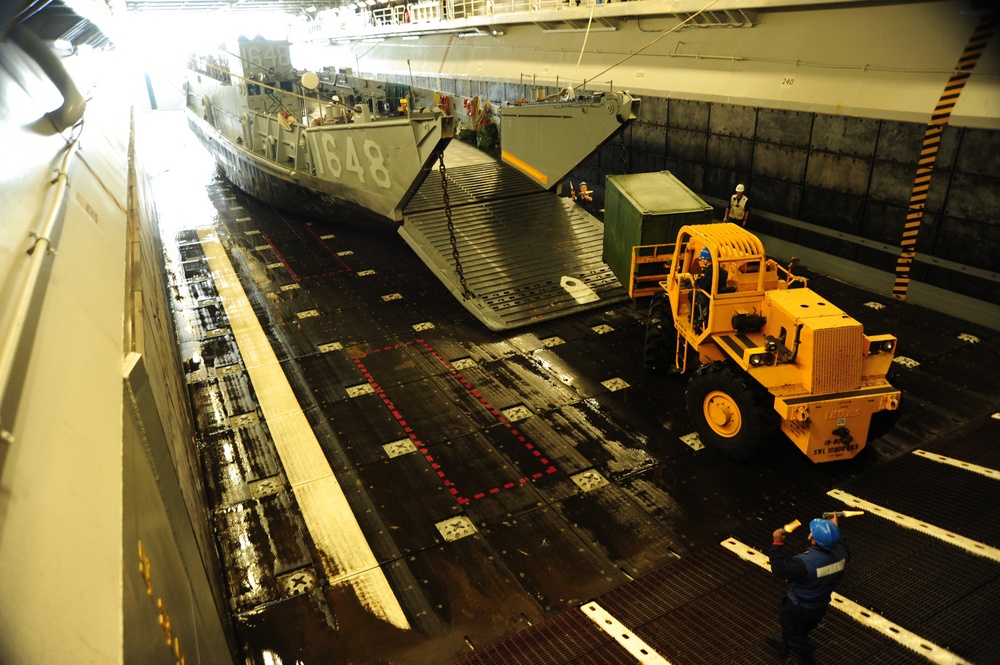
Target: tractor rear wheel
(730,411)
(661,336)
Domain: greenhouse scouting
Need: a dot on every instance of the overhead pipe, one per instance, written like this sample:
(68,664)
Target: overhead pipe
(73,104)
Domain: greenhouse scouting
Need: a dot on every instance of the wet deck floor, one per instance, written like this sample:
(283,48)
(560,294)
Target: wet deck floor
(498,479)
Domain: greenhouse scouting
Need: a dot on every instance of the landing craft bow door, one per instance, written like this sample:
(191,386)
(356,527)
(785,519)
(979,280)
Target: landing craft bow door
(547,140)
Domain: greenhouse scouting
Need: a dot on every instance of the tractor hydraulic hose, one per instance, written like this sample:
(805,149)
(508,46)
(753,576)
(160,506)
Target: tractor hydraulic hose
(795,344)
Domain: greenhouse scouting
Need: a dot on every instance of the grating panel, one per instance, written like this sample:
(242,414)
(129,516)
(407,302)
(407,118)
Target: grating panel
(672,586)
(975,442)
(924,489)
(837,359)
(965,625)
(561,639)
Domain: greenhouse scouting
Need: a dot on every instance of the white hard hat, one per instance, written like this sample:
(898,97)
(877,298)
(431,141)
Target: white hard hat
(739,188)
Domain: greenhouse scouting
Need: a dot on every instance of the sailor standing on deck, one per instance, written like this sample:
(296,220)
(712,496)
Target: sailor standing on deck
(584,198)
(812,576)
(737,212)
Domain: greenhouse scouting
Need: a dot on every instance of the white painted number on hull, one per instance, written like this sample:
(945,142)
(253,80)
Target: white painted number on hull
(329,163)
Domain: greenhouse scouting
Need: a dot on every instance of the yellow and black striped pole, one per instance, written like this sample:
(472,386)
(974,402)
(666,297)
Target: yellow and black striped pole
(929,150)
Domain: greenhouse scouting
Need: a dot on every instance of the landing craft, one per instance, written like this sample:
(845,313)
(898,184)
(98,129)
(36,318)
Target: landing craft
(276,132)
(321,144)
(295,145)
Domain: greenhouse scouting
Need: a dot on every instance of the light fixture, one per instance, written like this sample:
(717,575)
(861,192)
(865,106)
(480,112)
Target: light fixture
(410,38)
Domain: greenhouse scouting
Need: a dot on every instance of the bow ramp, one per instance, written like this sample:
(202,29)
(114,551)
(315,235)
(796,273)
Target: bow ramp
(526,254)
(547,140)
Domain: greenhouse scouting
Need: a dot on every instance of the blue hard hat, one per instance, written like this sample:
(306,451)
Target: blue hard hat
(825,533)
(705,254)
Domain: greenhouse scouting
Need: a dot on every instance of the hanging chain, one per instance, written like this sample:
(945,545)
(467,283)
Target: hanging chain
(466,293)
(623,165)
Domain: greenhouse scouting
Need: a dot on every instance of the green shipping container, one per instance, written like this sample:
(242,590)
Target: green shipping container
(646,209)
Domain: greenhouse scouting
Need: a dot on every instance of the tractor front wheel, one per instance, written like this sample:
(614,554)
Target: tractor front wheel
(730,411)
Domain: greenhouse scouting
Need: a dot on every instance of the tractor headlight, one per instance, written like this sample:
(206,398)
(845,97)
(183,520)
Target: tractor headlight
(761,359)
(882,346)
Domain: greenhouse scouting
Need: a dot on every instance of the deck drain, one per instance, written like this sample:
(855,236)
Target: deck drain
(602,329)
(693,440)
(330,346)
(297,582)
(266,487)
(392,296)
(360,389)
(307,314)
(971,339)
(364,273)
(261,248)
(874,305)
(515,413)
(346,252)
(589,480)
(615,384)
(290,287)
(274,266)
(906,362)
(426,325)
(400,447)
(456,528)
(552,341)
(463,363)
(328,236)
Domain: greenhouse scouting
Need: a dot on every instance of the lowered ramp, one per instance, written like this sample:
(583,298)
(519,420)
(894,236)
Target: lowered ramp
(527,255)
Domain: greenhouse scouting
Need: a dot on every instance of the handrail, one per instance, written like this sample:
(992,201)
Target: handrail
(38,251)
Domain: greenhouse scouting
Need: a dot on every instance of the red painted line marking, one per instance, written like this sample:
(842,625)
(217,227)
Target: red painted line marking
(299,278)
(281,258)
(423,450)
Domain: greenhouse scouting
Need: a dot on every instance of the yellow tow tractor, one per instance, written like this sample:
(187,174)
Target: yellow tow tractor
(771,352)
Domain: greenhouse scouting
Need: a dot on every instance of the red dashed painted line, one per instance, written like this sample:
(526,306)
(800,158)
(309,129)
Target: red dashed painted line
(298,278)
(549,468)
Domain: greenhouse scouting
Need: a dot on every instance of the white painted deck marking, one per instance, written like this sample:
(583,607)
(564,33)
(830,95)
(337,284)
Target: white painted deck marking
(974,468)
(967,544)
(578,290)
(334,529)
(866,617)
(622,635)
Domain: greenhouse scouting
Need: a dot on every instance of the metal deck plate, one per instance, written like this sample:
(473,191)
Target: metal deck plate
(527,255)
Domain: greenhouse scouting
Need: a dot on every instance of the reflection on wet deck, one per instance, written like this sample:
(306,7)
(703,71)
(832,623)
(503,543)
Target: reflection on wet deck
(495,480)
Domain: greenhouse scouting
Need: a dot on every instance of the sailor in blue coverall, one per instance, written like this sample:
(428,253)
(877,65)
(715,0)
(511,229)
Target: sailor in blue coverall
(812,576)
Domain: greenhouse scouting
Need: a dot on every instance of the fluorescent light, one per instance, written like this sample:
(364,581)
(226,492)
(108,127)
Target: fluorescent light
(410,38)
